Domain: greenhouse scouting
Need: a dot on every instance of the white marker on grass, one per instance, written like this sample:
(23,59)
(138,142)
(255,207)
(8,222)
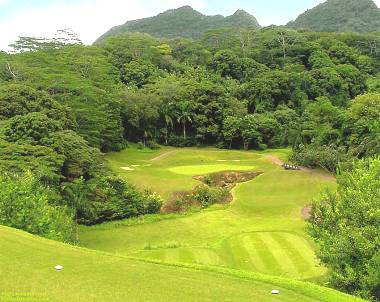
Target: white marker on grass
(275,292)
(58,267)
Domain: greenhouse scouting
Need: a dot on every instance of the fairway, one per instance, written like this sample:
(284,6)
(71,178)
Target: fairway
(262,230)
(27,274)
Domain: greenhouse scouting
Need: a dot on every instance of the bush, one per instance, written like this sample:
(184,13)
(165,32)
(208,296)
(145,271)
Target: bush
(208,196)
(140,146)
(179,141)
(152,145)
(326,157)
(346,225)
(202,196)
(112,198)
(24,204)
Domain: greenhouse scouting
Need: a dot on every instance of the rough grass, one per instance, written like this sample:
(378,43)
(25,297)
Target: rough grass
(27,274)
(262,230)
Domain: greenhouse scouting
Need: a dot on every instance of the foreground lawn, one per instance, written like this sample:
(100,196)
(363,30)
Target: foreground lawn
(27,274)
(262,230)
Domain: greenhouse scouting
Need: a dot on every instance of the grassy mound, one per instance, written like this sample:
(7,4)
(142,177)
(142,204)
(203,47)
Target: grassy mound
(27,273)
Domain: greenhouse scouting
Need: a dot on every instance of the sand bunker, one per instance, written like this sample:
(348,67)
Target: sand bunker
(224,160)
(127,168)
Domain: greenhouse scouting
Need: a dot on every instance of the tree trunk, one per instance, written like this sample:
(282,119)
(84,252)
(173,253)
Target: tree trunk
(184,130)
(77,230)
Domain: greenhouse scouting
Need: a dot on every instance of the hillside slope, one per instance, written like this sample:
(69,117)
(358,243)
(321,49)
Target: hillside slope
(183,22)
(362,16)
(27,273)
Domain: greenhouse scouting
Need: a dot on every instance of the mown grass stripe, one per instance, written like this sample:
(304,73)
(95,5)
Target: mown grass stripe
(264,252)
(280,255)
(307,252)
(252,249)
(293,248)
(238,254)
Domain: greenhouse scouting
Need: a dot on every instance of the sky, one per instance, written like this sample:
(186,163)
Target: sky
(91,18)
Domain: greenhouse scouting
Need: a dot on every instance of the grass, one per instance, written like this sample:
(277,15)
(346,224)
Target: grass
(262,230)
(27,274)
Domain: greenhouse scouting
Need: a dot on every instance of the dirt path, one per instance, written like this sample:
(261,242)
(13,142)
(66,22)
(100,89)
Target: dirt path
(322,174)
(306,212)
(163,155)
(275,160)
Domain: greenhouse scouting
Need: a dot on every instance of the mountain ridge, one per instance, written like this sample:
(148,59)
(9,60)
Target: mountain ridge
(183,22)
(361,16)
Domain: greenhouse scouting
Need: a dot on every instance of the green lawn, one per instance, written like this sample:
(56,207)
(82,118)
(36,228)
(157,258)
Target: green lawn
(262,230)
(27,274)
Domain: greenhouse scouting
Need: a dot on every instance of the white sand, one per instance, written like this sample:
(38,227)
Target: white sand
(127,168)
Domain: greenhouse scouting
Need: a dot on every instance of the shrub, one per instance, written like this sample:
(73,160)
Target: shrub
(208,196)
(326,157)
(24,204)
(152,145)
(140,146)
(179,141)
(112,198)
(346,225)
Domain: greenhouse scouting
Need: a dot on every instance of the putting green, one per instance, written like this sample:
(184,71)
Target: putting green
(262,230)
(207,169)
(27,274)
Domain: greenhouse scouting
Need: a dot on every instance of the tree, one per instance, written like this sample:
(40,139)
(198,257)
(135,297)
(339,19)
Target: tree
(249,129)
(138,73)
(31,128)
(20,99)
(43,162)
(226,63)
(231,129)
(327,82)
(320,59)
(167,112)
(77,196)
(362,125)
(346,226)
(81,160)
(184,115)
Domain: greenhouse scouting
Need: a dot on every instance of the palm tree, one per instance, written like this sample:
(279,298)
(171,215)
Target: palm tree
(77,192)
(184,116)
(168,120)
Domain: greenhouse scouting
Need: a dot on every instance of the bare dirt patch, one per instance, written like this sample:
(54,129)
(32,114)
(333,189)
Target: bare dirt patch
(163,155)
(274,159)
(217,184)
(306,212)
(227,179)
(322,174)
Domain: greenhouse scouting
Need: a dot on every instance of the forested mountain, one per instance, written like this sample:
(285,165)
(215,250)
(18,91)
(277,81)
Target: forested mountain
(183,22)
(362,16)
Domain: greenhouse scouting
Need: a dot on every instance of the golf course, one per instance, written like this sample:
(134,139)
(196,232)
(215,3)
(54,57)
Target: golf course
(237,251)
(261,230)
(95,276)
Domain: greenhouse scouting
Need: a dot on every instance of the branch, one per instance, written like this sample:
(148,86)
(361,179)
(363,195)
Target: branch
(11,72)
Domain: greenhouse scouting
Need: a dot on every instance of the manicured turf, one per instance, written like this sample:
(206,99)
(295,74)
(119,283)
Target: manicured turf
(27,274)
(261,231)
